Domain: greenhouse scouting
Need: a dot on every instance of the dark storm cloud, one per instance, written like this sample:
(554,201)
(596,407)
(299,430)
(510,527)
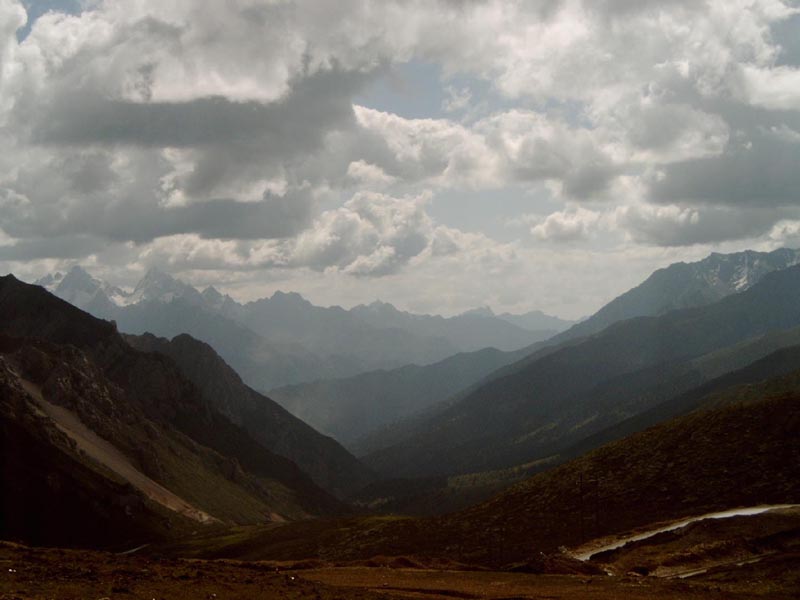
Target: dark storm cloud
(291,124)
(78,191)
(55,247)
(134,220)
(763,171)
(275,217)
(676,226)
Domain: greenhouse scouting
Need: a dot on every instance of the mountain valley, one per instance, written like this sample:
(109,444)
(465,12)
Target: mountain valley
(493,466)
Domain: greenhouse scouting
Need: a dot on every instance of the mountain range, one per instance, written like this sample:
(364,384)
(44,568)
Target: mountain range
(560,394)
(285,339)
(373,411)
(683,402)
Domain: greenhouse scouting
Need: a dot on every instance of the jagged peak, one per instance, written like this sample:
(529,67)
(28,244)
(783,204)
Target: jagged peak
(78,278)
(50,281)
(212,293)
(160,285)
(78,274)
(481,311)
(78,270)
(380,306)
(292,297)
(153,275)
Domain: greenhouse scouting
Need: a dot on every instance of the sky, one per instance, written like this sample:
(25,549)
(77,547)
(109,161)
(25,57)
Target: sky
(439,155)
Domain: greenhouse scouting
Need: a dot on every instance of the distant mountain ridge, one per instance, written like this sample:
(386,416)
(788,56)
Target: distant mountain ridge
(470,331)
(681,285)
(685,285)
(351,408)
(302,341)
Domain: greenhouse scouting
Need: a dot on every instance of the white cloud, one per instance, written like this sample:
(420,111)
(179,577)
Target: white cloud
(212,135)
(457,99)
(371,234)
(369,175)
(567,226)
(776,88)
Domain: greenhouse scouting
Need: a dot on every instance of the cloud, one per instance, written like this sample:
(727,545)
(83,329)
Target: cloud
(776,88)
(457,99)
(674,225)
(515,145)
(761,170)
(228,136)
(567,226)
(369,175)
(370,235)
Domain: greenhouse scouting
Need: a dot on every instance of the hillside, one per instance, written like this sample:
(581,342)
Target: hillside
(746,452)
(542,405)
(742,450)
(329,465)
(75,393)
(772,366)
(676,392)
(686,285)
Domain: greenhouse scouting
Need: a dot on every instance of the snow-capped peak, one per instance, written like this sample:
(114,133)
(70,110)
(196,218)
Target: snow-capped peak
(160,286)
(79,288)
(50,282)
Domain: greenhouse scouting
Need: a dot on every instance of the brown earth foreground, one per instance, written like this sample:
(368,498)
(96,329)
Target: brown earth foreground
(52,573)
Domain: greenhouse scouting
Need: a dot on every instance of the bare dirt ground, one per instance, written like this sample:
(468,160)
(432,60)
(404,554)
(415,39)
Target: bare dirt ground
(28,573)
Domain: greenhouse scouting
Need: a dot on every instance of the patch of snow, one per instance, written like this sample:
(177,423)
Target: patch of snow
(50,282)
(586,552)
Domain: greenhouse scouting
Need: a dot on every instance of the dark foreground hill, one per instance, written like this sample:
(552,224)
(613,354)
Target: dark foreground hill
(103,444)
